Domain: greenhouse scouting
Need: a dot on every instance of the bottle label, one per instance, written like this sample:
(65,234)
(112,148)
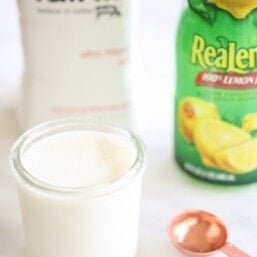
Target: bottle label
(216,94)
(76,58)
(88,9)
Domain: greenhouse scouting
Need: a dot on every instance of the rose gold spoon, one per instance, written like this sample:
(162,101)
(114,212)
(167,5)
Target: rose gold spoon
(199,233)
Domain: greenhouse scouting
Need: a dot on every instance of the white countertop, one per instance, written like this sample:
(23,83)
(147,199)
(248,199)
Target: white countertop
(166,189)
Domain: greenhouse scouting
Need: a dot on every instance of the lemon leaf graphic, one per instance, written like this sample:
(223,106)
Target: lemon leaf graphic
(223,41)
(253,133)
(205,10)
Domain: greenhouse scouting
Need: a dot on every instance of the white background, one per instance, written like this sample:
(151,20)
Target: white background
(166,190)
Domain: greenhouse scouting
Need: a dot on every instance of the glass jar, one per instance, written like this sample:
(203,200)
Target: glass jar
(90,221)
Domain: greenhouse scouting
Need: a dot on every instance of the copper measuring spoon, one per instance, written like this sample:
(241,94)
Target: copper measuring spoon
(199,233)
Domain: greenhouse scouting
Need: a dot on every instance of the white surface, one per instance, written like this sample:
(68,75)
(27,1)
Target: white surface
(166,189)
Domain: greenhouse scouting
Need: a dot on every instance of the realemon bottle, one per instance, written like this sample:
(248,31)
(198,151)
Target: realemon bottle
(76,59)
(216,94)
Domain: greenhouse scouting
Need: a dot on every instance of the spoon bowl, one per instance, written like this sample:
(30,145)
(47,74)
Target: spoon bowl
(200,233)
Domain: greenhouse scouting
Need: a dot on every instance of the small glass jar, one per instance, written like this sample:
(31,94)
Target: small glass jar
(88,221)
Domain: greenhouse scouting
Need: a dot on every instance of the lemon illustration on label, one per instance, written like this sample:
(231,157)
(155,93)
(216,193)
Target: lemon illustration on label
(239,159)
(191,109)
(238,8)
(213,135)
(249,122)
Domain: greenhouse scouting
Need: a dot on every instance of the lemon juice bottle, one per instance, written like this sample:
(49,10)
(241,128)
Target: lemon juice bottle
(216,91)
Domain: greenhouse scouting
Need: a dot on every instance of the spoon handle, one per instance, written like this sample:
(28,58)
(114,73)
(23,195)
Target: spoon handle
(232,251)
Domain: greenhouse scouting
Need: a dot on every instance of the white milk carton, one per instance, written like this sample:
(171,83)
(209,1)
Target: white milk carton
(76,59)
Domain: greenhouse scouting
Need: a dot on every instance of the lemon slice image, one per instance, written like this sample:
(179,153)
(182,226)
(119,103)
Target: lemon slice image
(238,8)
(206,159)
(213,135)
(249,122)
(238,159)
(191,109)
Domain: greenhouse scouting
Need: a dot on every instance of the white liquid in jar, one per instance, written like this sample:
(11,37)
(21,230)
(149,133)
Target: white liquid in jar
(67,225)
(79,158)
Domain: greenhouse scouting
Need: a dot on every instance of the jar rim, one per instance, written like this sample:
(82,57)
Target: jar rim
(49,128)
